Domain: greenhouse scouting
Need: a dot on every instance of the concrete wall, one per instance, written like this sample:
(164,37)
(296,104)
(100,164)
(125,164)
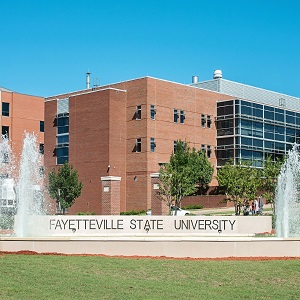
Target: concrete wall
(172,247)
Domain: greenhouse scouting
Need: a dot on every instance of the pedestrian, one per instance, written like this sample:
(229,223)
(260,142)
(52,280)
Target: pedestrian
(256,206)
(260,203)
(253,208)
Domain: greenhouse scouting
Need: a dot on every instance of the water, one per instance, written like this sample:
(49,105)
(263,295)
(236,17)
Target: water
(7,192)
(23,184)
(287,200)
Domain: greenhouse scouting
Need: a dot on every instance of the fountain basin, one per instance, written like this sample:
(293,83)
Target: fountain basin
(163,246)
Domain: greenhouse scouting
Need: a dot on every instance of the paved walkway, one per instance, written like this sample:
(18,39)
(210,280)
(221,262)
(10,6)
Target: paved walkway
(225,210)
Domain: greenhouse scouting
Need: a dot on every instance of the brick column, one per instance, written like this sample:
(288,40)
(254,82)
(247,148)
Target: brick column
(158,206)
(110,195)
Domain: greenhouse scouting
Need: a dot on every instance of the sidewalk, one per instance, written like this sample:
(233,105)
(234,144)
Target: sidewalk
(225,210)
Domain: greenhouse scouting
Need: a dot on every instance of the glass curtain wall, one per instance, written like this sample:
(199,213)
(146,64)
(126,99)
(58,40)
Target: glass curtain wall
(251,131)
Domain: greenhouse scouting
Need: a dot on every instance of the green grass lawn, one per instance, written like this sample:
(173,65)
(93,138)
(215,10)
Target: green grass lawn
(91,277)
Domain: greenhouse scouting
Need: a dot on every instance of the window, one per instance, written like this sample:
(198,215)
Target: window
(208,121)
(175,145)
(5,157)
(203,120)
(152,112)
(5,131)
(138,145)
(41,126)
(182,117)
(63,124)
(203,148)
(41,171)
(62,154)
(63,139)
(41,148)
(175,115)
(138,112)
(152,144)
(208,151)
(5,109)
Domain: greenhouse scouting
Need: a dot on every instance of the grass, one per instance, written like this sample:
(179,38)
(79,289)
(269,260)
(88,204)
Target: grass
(93,277)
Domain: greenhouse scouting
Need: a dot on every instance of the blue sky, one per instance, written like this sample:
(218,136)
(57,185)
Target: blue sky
(47,46)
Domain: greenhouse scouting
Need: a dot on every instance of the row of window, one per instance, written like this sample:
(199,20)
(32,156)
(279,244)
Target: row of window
(179,116)
(138,112)
(254,110)
(5,129)
(138,146)
(246,142)
(5,113)
(62,145)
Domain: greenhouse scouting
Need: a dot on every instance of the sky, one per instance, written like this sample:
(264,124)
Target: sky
(47,46)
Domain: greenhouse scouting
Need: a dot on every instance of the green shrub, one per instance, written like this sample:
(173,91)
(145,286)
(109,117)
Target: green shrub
(82,213)
(132,212)
(6,222)
(193,206)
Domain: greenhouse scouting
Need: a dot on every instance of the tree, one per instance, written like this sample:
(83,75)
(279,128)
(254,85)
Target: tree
(64,186)
(165,188)
(186,171)
(240,182)
(270,174)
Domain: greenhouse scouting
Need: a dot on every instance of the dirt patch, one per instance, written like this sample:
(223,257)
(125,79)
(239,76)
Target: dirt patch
(257,258)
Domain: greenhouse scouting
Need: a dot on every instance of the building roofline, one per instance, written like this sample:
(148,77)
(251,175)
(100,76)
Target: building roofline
(106,86)
(244,84)
(3,89)
(53,98)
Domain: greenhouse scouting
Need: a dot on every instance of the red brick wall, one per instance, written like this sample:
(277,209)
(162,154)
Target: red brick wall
(110,196)
(96,141)
(158,206)
(208,201)
(103,132)
(25,114)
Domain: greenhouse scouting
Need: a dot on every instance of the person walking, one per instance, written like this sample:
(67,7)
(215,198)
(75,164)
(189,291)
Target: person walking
(256,207)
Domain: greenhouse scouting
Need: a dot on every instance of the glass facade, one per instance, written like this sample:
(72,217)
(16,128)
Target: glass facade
(248,130)
(62,138)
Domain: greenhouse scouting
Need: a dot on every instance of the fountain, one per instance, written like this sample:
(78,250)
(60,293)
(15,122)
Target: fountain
(287,200)
(21,187)
(187,236)
(7,192)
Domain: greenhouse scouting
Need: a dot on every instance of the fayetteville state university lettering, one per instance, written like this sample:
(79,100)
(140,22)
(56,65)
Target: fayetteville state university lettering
(86,224)
(219,225)
(142,224)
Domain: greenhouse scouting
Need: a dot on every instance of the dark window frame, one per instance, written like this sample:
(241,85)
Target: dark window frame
(5,109)
(152,144)
(203,120)
(5,131)
(152,112)
(138,112)
(138,145)
(208,121)
(176,116)
(42,126)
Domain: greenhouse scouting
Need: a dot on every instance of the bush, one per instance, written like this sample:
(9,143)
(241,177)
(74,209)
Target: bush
(6,222)
(133,212)
(193,206)
(82,213)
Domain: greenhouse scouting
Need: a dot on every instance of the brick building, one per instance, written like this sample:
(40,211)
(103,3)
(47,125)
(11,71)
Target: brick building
(19,113)
(117,135)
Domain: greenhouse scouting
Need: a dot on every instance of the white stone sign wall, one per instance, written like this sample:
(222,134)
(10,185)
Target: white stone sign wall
(72,225)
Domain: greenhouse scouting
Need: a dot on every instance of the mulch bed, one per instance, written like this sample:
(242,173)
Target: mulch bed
(257,258)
